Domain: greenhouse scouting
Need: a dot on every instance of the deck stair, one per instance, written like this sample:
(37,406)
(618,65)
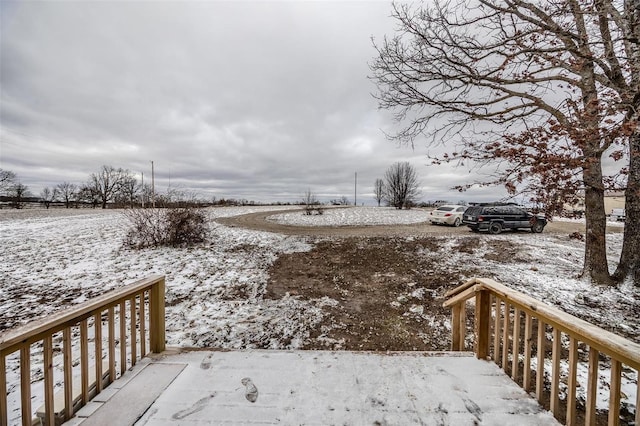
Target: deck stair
(318,387)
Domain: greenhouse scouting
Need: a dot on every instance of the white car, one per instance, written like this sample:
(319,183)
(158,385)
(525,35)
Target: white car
(618,215)
(449,214)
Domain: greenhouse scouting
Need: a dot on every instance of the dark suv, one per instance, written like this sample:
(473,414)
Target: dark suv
(495,218)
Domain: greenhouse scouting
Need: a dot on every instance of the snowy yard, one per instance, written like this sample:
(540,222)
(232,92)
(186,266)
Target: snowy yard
(351,217)
(51,259)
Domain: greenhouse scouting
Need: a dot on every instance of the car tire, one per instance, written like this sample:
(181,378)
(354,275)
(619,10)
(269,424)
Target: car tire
(457,222)
(537,227)
(495,228)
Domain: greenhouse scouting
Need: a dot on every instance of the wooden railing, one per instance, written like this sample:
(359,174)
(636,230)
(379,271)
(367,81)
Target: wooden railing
(500,334)
(85,324)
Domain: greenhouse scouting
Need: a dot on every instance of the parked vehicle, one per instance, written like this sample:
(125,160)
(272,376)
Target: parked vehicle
(496,218)
(449,214)
(618,215)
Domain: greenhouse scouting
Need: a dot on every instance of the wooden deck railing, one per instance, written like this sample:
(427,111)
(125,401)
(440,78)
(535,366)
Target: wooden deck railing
(500,334)
(84,324)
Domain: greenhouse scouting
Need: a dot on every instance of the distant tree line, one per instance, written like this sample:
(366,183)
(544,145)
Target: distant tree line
(108,187)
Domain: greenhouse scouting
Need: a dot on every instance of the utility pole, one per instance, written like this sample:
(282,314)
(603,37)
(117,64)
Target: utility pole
(142,195)
(153,187)
(355,191)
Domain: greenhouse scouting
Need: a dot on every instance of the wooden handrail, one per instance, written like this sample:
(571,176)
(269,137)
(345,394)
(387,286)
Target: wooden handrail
(507,307)
(148,290)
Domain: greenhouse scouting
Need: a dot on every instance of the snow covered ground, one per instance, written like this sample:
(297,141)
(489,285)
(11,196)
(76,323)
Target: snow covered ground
(353,216)
(51,259)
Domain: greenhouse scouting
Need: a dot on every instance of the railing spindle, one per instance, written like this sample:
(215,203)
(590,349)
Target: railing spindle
(516,344)
(97,343)
(47,352)
(143,334)
(123,338)
(614,393)
(505,335)
(592,385)
(542,337)
(84,360)
(134,342)
(4,408)
(555,372)
(463,325)
(68,373)
(112,344)
(25,383)
(571,385)
(496,330)
(526,374)
(638,397)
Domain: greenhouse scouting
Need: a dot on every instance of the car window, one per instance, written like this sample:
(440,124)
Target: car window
(445,209)
(460,209)
(473,211)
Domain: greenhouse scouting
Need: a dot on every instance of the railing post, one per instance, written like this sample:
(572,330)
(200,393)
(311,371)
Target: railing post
(25,384)
(156,317)
(456,338)
(483,323)
(4,415)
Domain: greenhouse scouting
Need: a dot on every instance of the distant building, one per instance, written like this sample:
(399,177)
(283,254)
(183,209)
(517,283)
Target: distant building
(612,200)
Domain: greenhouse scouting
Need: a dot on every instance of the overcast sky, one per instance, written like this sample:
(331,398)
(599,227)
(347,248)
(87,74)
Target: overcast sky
(253,100)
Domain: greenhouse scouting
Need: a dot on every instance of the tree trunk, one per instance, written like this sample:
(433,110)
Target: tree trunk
(595,252)
(629,266)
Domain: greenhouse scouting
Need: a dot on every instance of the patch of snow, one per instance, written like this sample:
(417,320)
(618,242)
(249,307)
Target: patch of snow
(610,223)
(353,216)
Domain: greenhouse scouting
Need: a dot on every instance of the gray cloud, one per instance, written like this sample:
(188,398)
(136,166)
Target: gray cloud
(257,100)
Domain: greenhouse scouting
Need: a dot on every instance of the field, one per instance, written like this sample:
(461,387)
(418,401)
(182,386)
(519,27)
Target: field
(356,279)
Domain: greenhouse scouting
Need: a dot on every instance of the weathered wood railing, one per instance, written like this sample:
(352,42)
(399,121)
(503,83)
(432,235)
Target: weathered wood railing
(499,333)
(146,329)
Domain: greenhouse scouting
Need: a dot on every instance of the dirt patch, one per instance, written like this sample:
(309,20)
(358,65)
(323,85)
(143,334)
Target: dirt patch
(503,251)
(388,292)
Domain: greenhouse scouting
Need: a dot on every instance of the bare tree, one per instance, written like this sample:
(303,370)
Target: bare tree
(106,183)
(378,190)
(18,192)
(87,194)
(7,180)
(311,203)
(544,88)
(128,190)
(48,196)
(66,191)
(401,185)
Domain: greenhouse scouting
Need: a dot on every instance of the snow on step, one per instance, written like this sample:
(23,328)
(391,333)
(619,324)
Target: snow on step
(322,388)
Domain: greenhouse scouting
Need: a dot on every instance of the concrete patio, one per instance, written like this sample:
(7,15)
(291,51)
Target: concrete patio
(313,387)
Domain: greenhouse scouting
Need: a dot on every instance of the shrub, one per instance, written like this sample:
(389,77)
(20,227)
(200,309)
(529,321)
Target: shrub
(311,204)
(181,226)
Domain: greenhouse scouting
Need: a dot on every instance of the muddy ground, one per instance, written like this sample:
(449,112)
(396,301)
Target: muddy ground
(390,297)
